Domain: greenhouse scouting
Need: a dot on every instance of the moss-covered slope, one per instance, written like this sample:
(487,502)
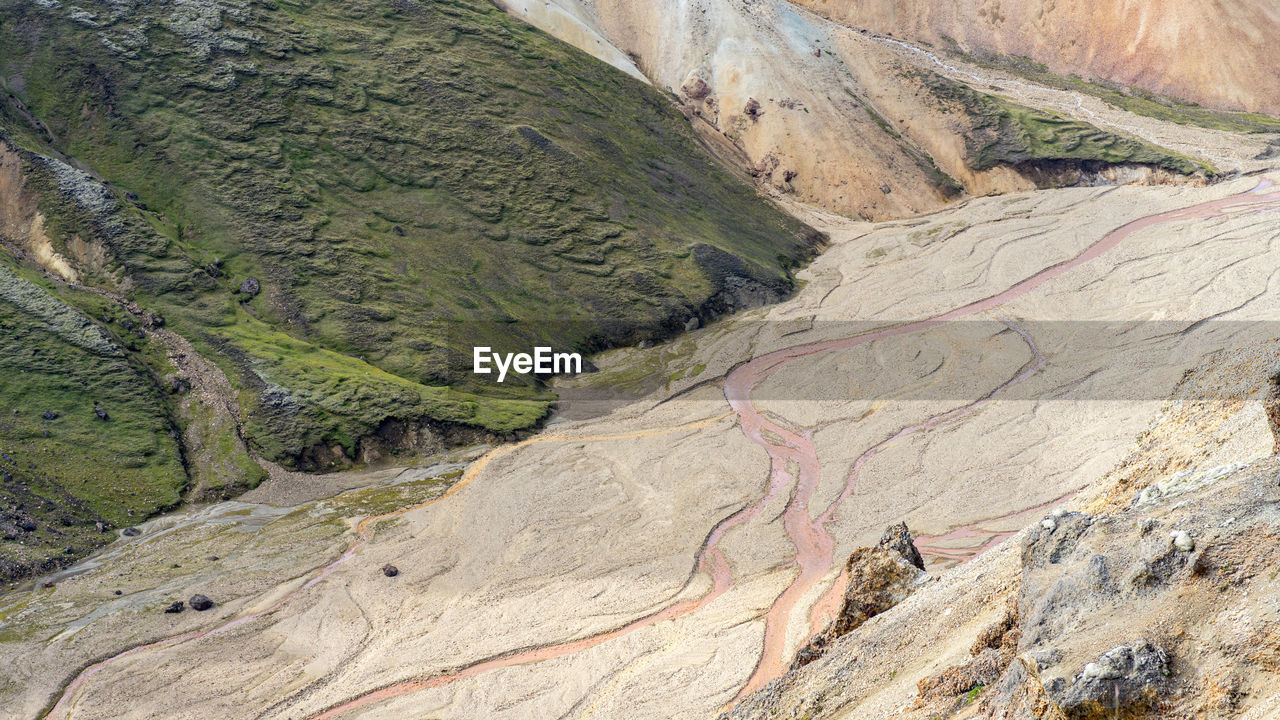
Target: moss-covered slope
(999,132)
(403,179)
(86,440)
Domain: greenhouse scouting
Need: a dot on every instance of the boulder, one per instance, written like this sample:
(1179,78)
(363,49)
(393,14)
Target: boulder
(131,532)
(879,578)
(251,286)
(695,88)
(176,606)
(390,570)
(1125,678)
(102,414)
(49,415)
(200,603)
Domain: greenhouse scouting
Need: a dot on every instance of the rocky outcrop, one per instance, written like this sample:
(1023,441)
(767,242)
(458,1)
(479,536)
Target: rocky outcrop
(991,653)
(879,578)
(1124,678)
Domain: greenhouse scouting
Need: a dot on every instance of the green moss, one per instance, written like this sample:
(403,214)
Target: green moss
(1132,99)
(1007,133)
(68,470)
(406,180)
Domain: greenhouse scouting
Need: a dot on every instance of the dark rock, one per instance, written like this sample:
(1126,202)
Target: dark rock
(176,606)
(1127,677)
(898,539)
(119,592)
(752,109)
(390,570)
(397,230)
(47,584)
(27,524)
(251,286)
(132,532)
(49,415)
(102,414)
(100,526)
(200,603)
(131,196)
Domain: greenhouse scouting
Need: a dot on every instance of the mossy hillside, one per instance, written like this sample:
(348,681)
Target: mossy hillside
(299,408)
(65,472)
(372,154)
(391,172)
(1002,132)
(311,396)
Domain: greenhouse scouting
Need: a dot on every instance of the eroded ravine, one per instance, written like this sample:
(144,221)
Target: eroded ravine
(785,447)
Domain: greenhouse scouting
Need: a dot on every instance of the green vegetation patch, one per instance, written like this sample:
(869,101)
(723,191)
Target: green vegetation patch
(1007,133)
(1131,99)
(65,466)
